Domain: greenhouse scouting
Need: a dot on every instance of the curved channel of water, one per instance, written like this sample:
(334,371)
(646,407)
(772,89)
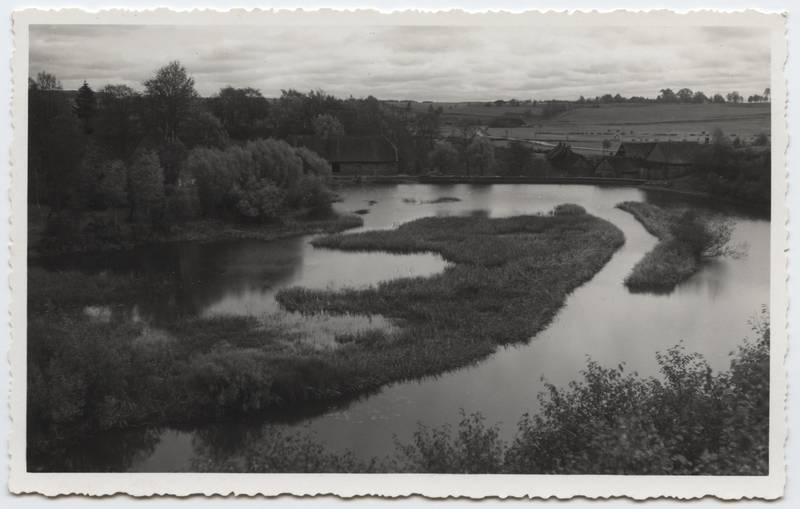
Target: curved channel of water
(601,319)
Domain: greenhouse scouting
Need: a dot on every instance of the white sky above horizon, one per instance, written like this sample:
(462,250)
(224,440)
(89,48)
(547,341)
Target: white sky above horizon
(413,62)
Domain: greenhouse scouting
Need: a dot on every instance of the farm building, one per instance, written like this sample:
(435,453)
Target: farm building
(354,155)
(662,159)
(567,162)
(616,166)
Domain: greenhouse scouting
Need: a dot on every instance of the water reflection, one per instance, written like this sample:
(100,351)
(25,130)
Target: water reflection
(601,319)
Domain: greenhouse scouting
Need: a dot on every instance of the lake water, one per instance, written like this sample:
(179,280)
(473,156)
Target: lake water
(601,320)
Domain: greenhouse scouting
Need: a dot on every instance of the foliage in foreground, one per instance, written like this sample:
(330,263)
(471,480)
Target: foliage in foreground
(685,240)
(688,421)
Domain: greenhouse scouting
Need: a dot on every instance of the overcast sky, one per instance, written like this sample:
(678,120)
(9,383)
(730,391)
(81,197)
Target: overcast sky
(435,63)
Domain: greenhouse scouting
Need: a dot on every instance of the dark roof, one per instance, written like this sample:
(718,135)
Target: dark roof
(636,150)
(563,158)
(675,152)
(619,165)
(349,149)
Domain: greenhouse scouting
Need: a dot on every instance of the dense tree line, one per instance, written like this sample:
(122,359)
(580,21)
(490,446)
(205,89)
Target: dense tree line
(735,170)
(94,154)
(683,95)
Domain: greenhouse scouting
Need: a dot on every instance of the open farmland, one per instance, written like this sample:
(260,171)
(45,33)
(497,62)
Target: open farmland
(585,128)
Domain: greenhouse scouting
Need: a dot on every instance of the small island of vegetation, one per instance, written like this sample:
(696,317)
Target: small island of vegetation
(685,239)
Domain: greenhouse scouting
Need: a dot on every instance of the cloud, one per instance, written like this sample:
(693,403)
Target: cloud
(414,62)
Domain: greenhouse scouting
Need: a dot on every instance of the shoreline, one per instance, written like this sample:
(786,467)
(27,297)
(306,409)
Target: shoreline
(593,181)
(206,231)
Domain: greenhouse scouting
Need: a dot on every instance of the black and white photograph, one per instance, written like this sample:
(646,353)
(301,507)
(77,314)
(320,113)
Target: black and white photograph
(545,248)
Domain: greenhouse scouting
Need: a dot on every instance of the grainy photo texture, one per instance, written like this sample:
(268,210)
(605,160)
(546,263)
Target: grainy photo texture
(447,246)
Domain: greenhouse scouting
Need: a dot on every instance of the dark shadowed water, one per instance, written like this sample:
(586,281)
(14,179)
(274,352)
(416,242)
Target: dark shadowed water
(601,319)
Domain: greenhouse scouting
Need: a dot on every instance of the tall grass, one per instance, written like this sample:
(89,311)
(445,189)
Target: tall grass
(685,239)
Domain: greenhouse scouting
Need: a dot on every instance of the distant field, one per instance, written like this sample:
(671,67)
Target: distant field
(587,127)
(453,111)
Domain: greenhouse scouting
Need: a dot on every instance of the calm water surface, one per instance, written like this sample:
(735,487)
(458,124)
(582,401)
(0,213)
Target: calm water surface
(601,319)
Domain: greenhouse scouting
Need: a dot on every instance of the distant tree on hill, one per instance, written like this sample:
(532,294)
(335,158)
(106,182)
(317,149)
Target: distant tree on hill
(667,95)
(699,97)
(734,97)
(85,107)
(761,140)
(718,98)
(607,98)
(685,95)
(46,81)
(767,94)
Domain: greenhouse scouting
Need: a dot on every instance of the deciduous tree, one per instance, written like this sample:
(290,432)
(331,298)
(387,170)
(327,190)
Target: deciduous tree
(170,94)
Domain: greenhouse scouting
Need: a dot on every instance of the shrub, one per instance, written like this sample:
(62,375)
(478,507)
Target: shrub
(215,172)
(704,237)
(313,164)
(568,209)
(275,160)
(309,192)
(261,201)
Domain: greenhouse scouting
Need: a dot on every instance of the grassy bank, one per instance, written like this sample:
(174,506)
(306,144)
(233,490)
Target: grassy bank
(685,239)
(509,278)
(687,421)
(99,233)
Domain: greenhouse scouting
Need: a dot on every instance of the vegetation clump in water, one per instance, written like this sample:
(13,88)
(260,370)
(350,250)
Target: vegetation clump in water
(443,199)
(685,239)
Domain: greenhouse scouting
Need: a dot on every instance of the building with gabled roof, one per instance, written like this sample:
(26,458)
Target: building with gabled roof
(661,159)
(616,166)
(565,161)
(353,155)
(635,150)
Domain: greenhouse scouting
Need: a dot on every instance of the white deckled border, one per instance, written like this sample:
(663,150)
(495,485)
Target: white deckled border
(398,485)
